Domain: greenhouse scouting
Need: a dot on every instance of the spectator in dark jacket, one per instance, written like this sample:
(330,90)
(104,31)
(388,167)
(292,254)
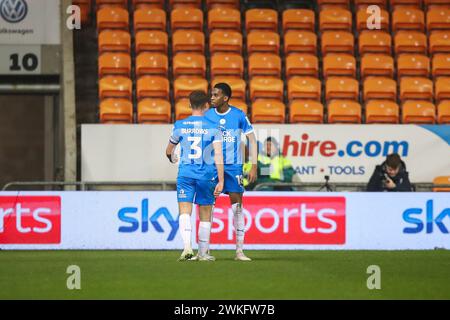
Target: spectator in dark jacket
(391,175)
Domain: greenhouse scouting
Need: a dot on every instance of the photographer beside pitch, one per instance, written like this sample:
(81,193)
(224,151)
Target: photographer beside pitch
(390,176)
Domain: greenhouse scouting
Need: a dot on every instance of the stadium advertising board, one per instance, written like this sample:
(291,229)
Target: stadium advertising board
(284,220)
(347,153)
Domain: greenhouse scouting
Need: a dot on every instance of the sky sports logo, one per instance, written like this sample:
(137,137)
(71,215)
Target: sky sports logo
(30,219)
(306,146)
(424,221)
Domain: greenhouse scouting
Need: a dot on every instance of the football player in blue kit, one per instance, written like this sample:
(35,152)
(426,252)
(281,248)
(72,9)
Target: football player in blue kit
(200,173)
(233,123)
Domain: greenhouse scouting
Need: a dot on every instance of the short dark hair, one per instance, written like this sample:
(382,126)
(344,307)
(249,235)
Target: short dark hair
(393,160)
(226,89)
(198,99)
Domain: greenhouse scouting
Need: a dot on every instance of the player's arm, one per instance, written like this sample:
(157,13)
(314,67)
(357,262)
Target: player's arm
(218,160)
(173,141)
(252,176)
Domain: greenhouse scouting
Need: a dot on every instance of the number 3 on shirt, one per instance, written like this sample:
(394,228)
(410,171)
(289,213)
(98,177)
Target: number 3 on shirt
(195,146)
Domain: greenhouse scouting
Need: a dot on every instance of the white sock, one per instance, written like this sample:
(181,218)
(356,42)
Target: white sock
(185,230)
(204,231)
(239,225)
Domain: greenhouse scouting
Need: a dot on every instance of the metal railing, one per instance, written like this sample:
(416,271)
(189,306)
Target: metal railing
(86,186)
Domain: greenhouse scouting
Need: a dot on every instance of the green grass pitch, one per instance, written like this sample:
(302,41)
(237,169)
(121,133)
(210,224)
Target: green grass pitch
(272,275)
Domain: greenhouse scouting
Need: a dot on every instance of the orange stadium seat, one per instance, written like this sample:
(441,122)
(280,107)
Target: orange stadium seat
(408,19)
(152,63)
(324,4)
(438,18)
(335,19)
(444,112)
(238,86)
(112,18)
(341,88)
(185,3)
(410,42)
(116,111)
(148,3)
(152,87)
(414,111)
(227,64)
(382,111)
(409,3)
(439,42)
(337,41)
(441,65)
(377,65)
(154,111)
(189,64)
(268,111)
(263,41)
(415,65)
(298,19)
(182,109)
(151,41)
(224,18)
(380,88)
(186,18)
(304,88)
(344,111)
(441,180)
(300,42)
(111,3)
(266,19)
(364,3)
(362,18)
(375,42)
(114,41)
(302,65)
(114,63)
(336,64)
(188,40)
(266,87)
(264,64)
(222,3)
(149,18)
(442,88)
(416,88)
(183,86)
(305,111)
(115,87)
(225,41)
(240,104)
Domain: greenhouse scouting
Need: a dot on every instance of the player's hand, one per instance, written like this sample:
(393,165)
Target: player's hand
(218,190)
(253,174)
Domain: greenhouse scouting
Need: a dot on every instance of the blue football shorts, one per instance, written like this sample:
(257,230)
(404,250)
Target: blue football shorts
(196,191)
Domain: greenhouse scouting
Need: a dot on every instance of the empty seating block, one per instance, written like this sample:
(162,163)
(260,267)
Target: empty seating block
(444,112)
(335,19)
(363,3)
(416,88)
(183,86)
(114,63)
(438,18)
(188,40)
(153,111)
(418,112)
(341,88)
(268,111)
(151,41)
(111,3)
(116,111)
(408,19)
(364,20)
(265,87)
(182,109)
(185,3)
(222,3)
(415,65)
(324,4)
(112,18)
(137,4)
(441,180)
(114,41)
(298,19)
(337,41)
(149,19)
(189,64)
(339,65)
(304,88)
(227,64)
(377,65)
(442,88)
(300,42)
(238,86)
(305,111)
(152,63)
(302,65)
(263,41)
(410,42)
(186,18)
(266,19)
(240,104)
(344,111)
(263,64)
(374,42)
(380,88)
(441,65)
(439,42)
(115,87)
(225,41)
(382,111)
(224,18)
(152,87)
